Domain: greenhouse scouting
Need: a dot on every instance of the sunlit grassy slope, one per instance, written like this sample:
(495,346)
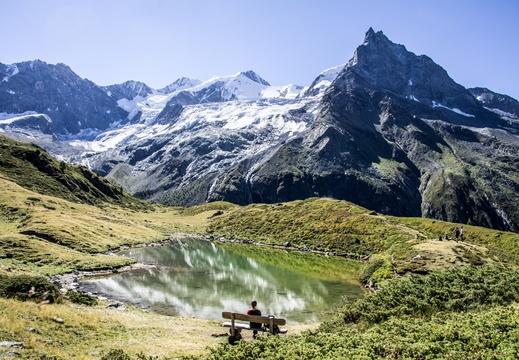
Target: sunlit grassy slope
(90,332)
(56,217)
(45,234)
(33,168)
(392,244)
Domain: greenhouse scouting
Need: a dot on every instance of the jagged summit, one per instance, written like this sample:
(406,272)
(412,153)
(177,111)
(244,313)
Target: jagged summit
(255,77)
(389,130)
(179,84)
(372,35)
(128,90)
(382,65)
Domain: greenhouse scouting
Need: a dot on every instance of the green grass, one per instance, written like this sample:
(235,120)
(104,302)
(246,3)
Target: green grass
(467,313)
(48,235)
(90,332)
(33,168)
(393,245)
(317,224)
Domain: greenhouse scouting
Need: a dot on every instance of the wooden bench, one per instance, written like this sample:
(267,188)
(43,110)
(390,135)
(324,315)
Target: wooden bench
(269,324)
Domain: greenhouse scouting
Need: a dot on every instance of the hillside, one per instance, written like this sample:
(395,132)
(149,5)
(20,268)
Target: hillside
(33,168)
(459,314)
(389,130)
(56,217)
(391,245)
(62,222)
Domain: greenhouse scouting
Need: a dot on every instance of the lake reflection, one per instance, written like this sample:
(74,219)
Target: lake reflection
(201,279)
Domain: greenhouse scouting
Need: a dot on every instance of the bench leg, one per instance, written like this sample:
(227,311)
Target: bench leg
(234,336)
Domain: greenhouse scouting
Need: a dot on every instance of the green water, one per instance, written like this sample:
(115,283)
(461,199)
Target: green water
(202,279)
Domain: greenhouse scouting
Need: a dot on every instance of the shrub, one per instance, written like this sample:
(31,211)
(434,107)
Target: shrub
(26,287)
(81,298)
(116,354)
(459,289)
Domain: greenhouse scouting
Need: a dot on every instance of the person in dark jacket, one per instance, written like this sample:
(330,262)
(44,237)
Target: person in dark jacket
(254,311)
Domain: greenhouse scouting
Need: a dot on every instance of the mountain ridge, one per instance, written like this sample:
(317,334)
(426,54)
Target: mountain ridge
(388,130)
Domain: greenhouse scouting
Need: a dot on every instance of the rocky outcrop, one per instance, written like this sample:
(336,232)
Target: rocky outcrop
(71,102)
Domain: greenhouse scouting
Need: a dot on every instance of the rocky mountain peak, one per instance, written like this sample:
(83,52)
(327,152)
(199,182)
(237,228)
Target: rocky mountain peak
(128,90)
(374,36)
(255,77)
(382,65)
(500,103)
(180,84)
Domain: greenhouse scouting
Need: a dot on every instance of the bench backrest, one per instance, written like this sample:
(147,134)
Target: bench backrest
(253,318)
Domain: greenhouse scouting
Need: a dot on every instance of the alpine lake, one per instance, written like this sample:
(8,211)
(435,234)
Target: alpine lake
(198,278)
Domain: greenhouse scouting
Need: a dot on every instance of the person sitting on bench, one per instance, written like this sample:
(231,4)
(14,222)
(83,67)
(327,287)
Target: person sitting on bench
(254,311)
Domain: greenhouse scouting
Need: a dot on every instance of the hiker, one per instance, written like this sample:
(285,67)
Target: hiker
(456,233)
(461,232)
(254,311)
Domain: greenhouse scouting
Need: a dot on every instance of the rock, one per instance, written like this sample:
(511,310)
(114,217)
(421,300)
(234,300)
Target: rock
(115,305)
(11,344)
(32,330)
(10,354)
(58,320)
(287,244)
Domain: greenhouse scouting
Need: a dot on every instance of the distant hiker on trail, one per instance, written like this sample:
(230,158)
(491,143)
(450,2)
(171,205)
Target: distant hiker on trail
(461,233)
(456,233)
(254,311)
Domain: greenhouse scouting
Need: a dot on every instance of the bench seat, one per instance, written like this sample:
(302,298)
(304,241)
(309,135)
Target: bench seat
(243,326)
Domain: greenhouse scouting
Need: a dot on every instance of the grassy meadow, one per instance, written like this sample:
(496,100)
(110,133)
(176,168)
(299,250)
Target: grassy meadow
(433,298)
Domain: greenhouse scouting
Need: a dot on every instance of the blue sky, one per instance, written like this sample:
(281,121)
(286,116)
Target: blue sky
(288,41)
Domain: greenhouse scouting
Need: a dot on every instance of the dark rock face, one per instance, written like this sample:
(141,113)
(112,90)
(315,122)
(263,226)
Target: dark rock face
(391,136)
(128,90)
(390,130)
(255,77)
(495,100)
(72,103)
(39,122)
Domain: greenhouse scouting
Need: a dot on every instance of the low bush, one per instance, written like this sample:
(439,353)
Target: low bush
(457,289)
(81,298)
(118,354)
(463,313)
(26,287)
(484,334)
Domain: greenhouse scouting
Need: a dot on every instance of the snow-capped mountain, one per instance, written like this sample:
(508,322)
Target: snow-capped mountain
(128,90)
(179,84)
(389,130)
(73,103)
(323,80)
(245,85)
(164,104)
(499,103)
(290,91)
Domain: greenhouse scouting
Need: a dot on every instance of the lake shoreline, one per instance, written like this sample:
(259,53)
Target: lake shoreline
(287,246)
(84,281)
(70,280)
